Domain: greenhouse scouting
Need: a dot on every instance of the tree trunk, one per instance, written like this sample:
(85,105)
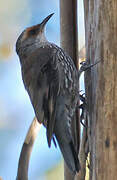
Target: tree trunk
(69,42)
(101,87)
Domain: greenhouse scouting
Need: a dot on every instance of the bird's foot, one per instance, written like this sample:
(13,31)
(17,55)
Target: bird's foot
(85,66)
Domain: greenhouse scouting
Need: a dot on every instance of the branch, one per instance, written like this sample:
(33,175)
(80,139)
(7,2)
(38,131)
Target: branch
(83,153)
(22,173)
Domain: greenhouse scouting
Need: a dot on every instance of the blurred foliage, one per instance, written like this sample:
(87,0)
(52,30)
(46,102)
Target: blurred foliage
(5,51)
(57,171)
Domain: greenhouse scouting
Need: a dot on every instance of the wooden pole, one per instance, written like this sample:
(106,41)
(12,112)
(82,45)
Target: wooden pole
(23,165)
(101,87)
(69,42)
(68,28)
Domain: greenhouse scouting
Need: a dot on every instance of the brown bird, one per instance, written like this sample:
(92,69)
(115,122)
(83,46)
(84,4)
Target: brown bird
(51,80)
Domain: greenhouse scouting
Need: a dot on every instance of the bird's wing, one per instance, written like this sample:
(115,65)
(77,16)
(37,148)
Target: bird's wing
(51,71)
(41,78)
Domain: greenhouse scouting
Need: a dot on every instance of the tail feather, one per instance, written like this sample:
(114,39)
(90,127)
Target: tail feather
(70,156)
(76,160)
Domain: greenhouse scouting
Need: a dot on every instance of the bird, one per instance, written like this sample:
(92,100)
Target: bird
(51,80)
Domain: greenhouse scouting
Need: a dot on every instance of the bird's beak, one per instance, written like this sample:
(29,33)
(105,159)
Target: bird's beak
(40,27)
(46,20)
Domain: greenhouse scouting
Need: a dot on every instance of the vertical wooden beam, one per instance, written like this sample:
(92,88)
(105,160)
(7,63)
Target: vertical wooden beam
(68,28)
(69,42)
(101,87)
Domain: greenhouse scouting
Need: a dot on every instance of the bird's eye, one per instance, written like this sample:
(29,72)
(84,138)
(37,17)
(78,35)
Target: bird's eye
(33,32)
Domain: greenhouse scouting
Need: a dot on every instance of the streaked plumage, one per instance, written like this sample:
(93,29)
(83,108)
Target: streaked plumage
(51,80)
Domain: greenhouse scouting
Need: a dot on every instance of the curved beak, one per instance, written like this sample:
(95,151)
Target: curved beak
(46,20)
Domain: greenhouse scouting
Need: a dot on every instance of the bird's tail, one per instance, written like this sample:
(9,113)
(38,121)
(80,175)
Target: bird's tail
(70,156)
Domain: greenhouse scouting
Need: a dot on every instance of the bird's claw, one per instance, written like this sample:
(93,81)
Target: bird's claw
(85,66)
(83,108)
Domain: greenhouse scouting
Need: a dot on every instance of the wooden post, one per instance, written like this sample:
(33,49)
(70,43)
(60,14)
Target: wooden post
(101,87)
(69,42)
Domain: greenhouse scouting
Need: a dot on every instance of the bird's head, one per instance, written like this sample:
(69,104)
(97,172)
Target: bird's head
(32,35)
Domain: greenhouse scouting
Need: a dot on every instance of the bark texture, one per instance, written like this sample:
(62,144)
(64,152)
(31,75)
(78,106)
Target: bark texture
(101,87)
(69,42)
